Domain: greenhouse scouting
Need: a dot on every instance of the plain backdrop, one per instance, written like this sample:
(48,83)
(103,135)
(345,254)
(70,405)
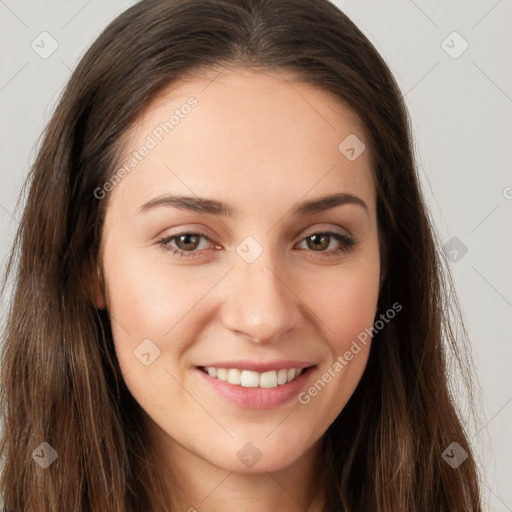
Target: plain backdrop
(451,59)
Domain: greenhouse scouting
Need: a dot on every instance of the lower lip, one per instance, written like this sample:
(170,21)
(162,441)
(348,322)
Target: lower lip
(257,398)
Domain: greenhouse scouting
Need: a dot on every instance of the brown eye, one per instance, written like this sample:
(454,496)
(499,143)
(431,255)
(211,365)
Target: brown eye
(318,242)
(187,242)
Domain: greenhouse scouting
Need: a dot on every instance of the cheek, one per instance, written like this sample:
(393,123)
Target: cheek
(346,302)
(352,309)
(349,316)
(147,300)
(149,307)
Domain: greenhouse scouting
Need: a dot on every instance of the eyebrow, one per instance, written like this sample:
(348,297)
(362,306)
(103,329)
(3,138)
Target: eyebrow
(214,207)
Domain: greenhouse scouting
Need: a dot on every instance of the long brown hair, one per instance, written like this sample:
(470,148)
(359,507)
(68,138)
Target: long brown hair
(61,383)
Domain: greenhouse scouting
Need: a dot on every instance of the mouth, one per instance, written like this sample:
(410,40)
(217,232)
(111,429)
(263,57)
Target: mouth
(252,379)
(251,389)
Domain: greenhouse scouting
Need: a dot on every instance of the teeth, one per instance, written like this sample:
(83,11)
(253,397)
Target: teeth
(282,377)
(268,379)
(234,376)
(250,379)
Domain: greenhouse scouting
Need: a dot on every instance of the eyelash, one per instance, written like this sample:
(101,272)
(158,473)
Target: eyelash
(347,243)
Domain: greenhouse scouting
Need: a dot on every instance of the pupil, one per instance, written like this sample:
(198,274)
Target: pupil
(186,239)
(317,241)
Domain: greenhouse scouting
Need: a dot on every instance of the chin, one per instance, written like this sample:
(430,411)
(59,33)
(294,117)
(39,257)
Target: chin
(260,455)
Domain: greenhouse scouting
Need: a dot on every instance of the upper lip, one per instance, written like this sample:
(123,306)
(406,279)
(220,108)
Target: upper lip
(259,367)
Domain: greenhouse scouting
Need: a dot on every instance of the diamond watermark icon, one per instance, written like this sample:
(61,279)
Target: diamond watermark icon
(249,249)
(454,45)
(455,249)
(455,455)
(249,455)
(44,45)
(44,455)
(146,352)
(352,147)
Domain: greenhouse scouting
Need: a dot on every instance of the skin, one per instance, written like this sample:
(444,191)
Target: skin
(261,143)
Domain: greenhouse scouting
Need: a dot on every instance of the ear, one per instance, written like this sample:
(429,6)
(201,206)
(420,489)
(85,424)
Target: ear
(94,285)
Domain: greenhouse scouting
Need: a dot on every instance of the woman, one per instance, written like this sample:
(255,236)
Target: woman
(235,298)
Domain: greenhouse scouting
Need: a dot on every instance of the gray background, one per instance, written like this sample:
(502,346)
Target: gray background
(461,113)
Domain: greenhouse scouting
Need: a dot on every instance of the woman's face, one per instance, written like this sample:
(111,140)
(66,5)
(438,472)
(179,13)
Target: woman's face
(235,280)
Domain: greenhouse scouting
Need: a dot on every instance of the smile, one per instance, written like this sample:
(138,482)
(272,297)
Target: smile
(252,379)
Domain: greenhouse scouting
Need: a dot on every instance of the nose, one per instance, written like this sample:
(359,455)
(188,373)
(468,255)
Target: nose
(259,301)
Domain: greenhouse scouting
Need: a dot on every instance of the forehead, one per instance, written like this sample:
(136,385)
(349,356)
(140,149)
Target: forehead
(256,135)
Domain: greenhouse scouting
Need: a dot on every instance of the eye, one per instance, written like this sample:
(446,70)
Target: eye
(187,244)
(319,242)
